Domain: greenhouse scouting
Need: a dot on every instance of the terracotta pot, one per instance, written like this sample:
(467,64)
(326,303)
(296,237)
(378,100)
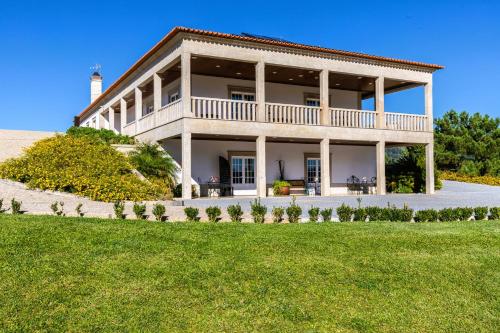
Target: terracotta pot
(285,190)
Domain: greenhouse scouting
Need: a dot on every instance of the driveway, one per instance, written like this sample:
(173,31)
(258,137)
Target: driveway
(453,194)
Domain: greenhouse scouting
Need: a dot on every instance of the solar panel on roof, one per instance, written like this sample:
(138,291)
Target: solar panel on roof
(246,34)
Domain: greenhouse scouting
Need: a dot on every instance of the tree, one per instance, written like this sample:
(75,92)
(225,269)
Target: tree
(154,163)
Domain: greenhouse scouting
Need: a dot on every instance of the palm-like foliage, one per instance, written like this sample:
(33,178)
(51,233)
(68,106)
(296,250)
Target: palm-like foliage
(154,163)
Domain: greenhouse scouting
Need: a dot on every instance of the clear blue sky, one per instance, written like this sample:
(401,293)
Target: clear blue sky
(47,47)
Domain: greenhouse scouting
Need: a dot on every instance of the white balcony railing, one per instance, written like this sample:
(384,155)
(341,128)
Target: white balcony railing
(223,109)
(146,123)
(292,114)
(405,122)
(352,118)
(169,112)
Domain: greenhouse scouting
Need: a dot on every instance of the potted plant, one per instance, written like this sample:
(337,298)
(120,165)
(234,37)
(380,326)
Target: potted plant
(281,187)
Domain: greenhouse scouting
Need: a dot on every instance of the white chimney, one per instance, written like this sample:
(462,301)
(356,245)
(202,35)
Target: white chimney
(95,86)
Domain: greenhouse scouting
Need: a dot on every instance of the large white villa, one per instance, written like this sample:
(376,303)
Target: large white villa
(232,108)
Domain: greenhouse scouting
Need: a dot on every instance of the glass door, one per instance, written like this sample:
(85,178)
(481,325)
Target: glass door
(314,173)
(243,172)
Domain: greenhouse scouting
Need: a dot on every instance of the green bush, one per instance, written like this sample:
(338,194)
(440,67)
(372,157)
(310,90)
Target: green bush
(258,211)
(464,213)
(81,166)
(313,214)
(192,214)
(278,184)
(102,135)
(278,213)
(404,214)
(58,208)
(159,211)
(154,163)
(326,214)
(235,213)
(79,211)
(373,213)
(213,213)
(447,215)
(426,215)
(494,213)
(1,205)
(360,214)
(139,210)
(119,208)
(293,212)
(15,206)
(480,213)
(344,213)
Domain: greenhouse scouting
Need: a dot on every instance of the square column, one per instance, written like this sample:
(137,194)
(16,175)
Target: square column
(123,114)
(428,106)
(325,167)
(186,165)
(380,152)
(323,98)
(186,84)
(138,105)
(156,91)
(429,168)
(111,112)
(379,102)
(261,166)
(260,91)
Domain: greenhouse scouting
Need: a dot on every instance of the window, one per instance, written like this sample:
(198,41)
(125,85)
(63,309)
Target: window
(173,96)
(312,101)
(243,169)
(243,96)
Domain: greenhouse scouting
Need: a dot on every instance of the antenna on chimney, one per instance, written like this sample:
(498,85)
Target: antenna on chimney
(96,69)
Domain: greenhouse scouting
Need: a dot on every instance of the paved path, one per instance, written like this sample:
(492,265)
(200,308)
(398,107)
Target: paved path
(453,194)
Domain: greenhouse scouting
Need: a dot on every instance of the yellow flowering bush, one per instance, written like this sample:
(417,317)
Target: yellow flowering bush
(79,165)
(487,180)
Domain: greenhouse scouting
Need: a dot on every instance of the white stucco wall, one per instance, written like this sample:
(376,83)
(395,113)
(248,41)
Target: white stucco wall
(345,160)
(217,87)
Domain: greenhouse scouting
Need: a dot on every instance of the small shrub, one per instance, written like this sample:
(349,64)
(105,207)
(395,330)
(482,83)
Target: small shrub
(258,211)
(213,213)
(119,208)
(235,213)
(293,212)
(278,184)
(79,211)
(344,213)
(326,214)
(58,208)
(1,205)
(495,213)
(313,214)
(360,214)
(373,213)
(159,211)
(446,215)
(404,214)
(464,213)
(386,214)
(426,215)
(15,206)
(278,213)
(139,210)
(192,214)
(480,213)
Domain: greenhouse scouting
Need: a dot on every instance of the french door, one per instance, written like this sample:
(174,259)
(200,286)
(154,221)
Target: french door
(313,170)
(243,172)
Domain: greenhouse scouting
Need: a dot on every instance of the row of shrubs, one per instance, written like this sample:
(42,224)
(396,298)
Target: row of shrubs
(293,213)
(405,214)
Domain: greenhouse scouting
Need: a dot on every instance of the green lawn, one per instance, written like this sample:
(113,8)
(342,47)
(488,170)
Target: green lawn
(69,274)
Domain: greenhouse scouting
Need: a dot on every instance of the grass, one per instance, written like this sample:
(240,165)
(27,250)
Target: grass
(70,274)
